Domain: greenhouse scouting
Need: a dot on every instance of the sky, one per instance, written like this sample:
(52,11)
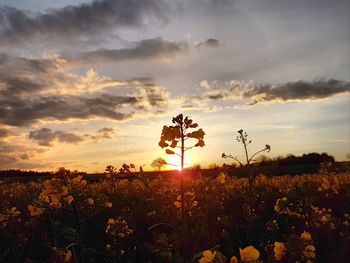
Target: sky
(86,84)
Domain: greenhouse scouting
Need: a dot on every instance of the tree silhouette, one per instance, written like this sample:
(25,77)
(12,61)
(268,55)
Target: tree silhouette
(159,163)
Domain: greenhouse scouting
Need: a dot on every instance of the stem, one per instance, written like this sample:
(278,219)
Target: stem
(245,149)
(256,154)
(182,193)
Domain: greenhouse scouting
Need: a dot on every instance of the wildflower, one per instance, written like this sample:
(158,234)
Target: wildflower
(188,200)
(249,253)
(280,204)
(221,178)
(234,259)
(306,236)
(90,201)
(177,203)
(279,250)
(108,205)
(64,190)
(69,199)
(35,211)
(309,251)
(68,256)
(207,257)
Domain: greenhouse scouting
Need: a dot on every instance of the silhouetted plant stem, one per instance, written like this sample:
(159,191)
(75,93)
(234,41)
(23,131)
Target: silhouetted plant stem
(243,138)
(79,233)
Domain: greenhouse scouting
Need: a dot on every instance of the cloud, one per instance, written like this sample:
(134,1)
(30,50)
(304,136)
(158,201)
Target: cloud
(266,92)
(4,133)
(55,107)
(144,49)
(47,137)
(46,91)
(104,133)
(85,21)
(12,154)
(210,42)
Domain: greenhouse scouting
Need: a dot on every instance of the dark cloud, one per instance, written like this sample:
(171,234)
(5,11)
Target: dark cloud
(145,49)
(104,133)
(56,107)
(20,75)
(210,42)
(46,91)
(86,21)
(47,137)
(257,92)
(155,95)
(11,154)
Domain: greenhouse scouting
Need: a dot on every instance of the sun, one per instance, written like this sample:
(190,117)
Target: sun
(174,162)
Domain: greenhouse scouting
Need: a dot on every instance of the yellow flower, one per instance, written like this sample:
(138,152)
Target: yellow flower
(64,190)
(249,253)
(207,257)
(108,205)
(111,221)
(279,250)
(234,259)
(90,201)
(69,199)
(68,256)
(35,211)
(306,236)
(280,204)
(221,178)
(309,251)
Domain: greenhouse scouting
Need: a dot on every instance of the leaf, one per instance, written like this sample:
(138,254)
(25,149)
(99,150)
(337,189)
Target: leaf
(173,144)
(196,134)
(168,151)
(194,125)
(188,122)
(200,143)
(163,144)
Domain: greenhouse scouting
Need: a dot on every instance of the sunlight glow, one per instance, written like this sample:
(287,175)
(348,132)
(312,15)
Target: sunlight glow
(174,162)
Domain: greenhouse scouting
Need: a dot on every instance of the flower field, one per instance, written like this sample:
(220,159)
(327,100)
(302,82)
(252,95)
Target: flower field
(138,219)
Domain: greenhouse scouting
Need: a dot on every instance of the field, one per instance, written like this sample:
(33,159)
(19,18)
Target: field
(218,218)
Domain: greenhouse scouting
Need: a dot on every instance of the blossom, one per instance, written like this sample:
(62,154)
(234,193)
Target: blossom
(90,201)
(207,257)
(309,251)
(280,203)
(69,199)
(108,205)
(35,211)
(279,250)
(306,236)
(234,259)
(249,253)
(68,256)
(221,178)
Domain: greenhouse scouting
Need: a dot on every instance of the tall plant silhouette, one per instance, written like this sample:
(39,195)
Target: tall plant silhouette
(243,138)
(174,137)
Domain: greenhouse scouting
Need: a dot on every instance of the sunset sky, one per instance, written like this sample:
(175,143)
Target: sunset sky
(86,84)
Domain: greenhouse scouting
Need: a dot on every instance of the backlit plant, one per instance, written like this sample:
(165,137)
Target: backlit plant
(243,138)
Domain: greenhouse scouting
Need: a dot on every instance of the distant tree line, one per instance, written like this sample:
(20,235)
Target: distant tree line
(293,165)
(15,173)
(19,173)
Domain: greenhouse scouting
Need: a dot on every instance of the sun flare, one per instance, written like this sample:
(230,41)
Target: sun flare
(174,162)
